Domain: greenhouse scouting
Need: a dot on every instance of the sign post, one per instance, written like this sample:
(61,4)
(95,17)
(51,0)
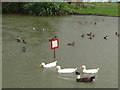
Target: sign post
(54,53)
(54,44)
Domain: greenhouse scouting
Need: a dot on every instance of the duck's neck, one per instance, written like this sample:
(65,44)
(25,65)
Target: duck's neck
(43,65)
(78,76)
(84,68)
(59,68)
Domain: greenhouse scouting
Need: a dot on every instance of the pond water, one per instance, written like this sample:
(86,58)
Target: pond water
(21,69)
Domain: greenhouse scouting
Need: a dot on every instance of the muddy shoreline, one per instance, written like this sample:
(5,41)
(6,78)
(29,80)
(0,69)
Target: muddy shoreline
(94,15)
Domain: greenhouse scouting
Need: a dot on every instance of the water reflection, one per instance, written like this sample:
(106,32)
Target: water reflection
(23,68)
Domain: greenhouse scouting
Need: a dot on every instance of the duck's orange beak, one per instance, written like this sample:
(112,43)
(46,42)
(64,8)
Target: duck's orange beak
(81,67)
(40,65)
(55,67)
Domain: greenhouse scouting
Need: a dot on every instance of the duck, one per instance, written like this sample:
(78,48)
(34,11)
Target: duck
(89,34)
(55,36)
(84,79)
(24,49)
(43,29)
(50,39)
(85,21)
(80,22)
(95,23)
(24,41)
(93,35)
(66,70)
(33,28)
(49,65)
(71,44)
(116,33)
(90,37)
(106,37)
(82,35)
(18,39)
(89,70)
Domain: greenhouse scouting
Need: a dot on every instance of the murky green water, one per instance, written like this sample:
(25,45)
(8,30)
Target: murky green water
(21,69)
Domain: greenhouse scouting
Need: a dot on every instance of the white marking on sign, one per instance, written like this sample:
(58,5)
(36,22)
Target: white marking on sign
(54,44)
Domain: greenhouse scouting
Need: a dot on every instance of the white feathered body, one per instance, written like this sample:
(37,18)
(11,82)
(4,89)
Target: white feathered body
(67,70)
(49,65)
(90,70)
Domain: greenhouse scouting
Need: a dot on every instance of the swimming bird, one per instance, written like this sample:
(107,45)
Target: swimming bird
(84,79)
(106,37)
(33,28)
(90,37)
(49,65)
(93,35)
(89,34)
(71,44)
(95,23)
(80,22)
(66,70)
(85,21)
(18,39)
(82,35)
(89,70)
(116,33)
(55,36)
(24,41)
(51,39)
(24,49)
(43,29)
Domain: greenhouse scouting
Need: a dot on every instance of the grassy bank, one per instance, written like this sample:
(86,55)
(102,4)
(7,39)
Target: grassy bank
(107,9)
(60,8)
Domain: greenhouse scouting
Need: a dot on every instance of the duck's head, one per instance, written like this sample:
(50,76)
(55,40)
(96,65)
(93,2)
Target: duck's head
(83,67)
(93,78)
(90,32)
(58,67)
(42,64)
(77,73)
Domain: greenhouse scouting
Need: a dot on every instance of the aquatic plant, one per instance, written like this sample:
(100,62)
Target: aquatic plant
(47,8)
(60,8)
(38,8)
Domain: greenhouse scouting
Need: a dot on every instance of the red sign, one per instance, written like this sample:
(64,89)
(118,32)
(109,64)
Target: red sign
(54,43)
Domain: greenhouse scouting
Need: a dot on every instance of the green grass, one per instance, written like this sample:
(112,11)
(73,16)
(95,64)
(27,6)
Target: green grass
(106,4)
(108,9)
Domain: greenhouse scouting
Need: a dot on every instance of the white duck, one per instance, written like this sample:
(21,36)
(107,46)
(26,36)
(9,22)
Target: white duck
(43,29)
(49,65)
(67,70)
(33,28)
(89,70)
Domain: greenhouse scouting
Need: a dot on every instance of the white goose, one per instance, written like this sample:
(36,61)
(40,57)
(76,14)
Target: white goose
(49,65)
(67,70)
(89,70)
